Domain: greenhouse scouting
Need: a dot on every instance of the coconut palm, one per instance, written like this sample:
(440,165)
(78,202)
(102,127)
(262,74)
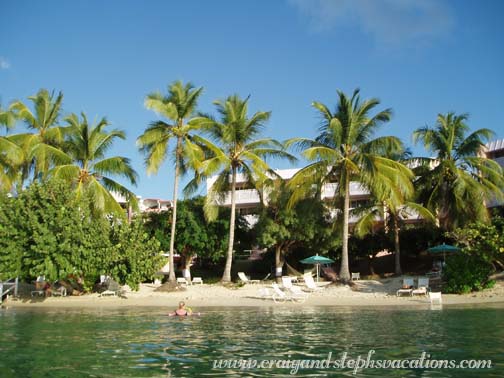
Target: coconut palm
(41,149)
(458,181)
(90,170)
(177,107)
(10,153)
(7,118)
(392,207)
(345,152)
(236,150)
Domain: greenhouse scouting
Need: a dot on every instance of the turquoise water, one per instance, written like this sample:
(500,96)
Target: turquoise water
(146,343)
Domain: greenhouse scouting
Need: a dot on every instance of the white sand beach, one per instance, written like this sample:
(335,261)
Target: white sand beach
(363,293)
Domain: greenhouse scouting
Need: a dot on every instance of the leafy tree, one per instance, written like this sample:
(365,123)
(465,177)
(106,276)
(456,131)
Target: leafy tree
(466,273)
(42,148)
(345,152)
(236,151)
(89,170)
(195,234)
(391,206)
(47,231)
(483,240)
(135,255)
(458,181)
(283,228)
(177,107)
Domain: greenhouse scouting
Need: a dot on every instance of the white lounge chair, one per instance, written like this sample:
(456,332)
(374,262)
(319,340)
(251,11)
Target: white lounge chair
(245,279)
(182,281)
(422,287)
(287,282)
(198,280)
(408,282)
(310,283)
(282,296)
(355,276)
(435,297)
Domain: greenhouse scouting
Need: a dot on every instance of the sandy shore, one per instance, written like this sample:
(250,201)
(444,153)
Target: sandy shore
(364,293)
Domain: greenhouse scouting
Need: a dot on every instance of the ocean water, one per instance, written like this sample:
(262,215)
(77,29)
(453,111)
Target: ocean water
(144,342)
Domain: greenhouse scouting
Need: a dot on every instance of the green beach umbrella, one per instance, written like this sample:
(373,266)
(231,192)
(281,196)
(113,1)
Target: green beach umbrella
(444,249)
(317,260)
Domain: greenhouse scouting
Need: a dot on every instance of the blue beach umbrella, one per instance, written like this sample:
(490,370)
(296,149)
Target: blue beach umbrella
(444,249)
(317,260)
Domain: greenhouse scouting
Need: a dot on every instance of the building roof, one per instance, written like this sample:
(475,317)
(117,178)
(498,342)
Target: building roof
(495,145)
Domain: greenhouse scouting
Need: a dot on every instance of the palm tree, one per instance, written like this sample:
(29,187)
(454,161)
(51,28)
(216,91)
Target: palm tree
(345,152)
(177,107)
(458,181)
(90,170)
(41,149)
(392,207)
(235,151)
(10,153)
(7,118)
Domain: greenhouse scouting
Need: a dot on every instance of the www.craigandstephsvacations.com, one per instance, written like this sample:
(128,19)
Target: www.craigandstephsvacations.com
(346,362)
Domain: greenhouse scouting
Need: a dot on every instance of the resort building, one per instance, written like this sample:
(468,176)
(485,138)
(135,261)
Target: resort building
(495,150)
(248,199)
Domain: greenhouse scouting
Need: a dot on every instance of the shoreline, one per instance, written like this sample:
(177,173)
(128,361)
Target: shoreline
(372,293)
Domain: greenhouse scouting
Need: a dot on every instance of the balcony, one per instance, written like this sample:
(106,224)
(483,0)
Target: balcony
(242,197)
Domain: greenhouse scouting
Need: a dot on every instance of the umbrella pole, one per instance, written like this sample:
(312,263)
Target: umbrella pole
(318,271)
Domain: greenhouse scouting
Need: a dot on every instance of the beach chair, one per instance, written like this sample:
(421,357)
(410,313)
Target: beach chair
(407,287)
(435,298)
(40,286)
(243,278)
(113,289)
(282,296)
(198,280)
(182,281)
(422,287)
(355,276)
(310,283)
(59,292)
(287,282)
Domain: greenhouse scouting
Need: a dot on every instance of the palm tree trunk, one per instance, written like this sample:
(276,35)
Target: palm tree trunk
(171,276)
(397,247)
(226,276)
(344,270)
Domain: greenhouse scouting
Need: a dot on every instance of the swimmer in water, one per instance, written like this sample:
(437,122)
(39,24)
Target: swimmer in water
(182,310)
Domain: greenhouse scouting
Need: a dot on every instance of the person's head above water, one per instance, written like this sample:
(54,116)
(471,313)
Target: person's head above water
(181,305)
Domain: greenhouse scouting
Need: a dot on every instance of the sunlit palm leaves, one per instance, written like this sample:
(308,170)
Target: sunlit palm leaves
(345,152)
(89,169)
(42,148)
(177,107)
(236,150)
(459,180)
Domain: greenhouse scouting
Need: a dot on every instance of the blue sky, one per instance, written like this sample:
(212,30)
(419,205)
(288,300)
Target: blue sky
(418,57)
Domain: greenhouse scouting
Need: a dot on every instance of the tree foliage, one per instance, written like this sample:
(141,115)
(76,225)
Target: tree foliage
(458,182)
(282,228)
(483,240)
(46,230)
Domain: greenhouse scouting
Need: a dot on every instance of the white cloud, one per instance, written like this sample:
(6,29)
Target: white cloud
(4,64)
(387,21)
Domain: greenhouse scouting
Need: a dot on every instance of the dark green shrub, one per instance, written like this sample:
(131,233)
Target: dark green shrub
(466,273)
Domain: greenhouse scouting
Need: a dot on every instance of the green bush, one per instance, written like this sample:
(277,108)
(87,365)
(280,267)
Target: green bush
(46,230)
(466,273)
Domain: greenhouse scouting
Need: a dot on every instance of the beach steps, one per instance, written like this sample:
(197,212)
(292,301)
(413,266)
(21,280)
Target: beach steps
(9,287)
